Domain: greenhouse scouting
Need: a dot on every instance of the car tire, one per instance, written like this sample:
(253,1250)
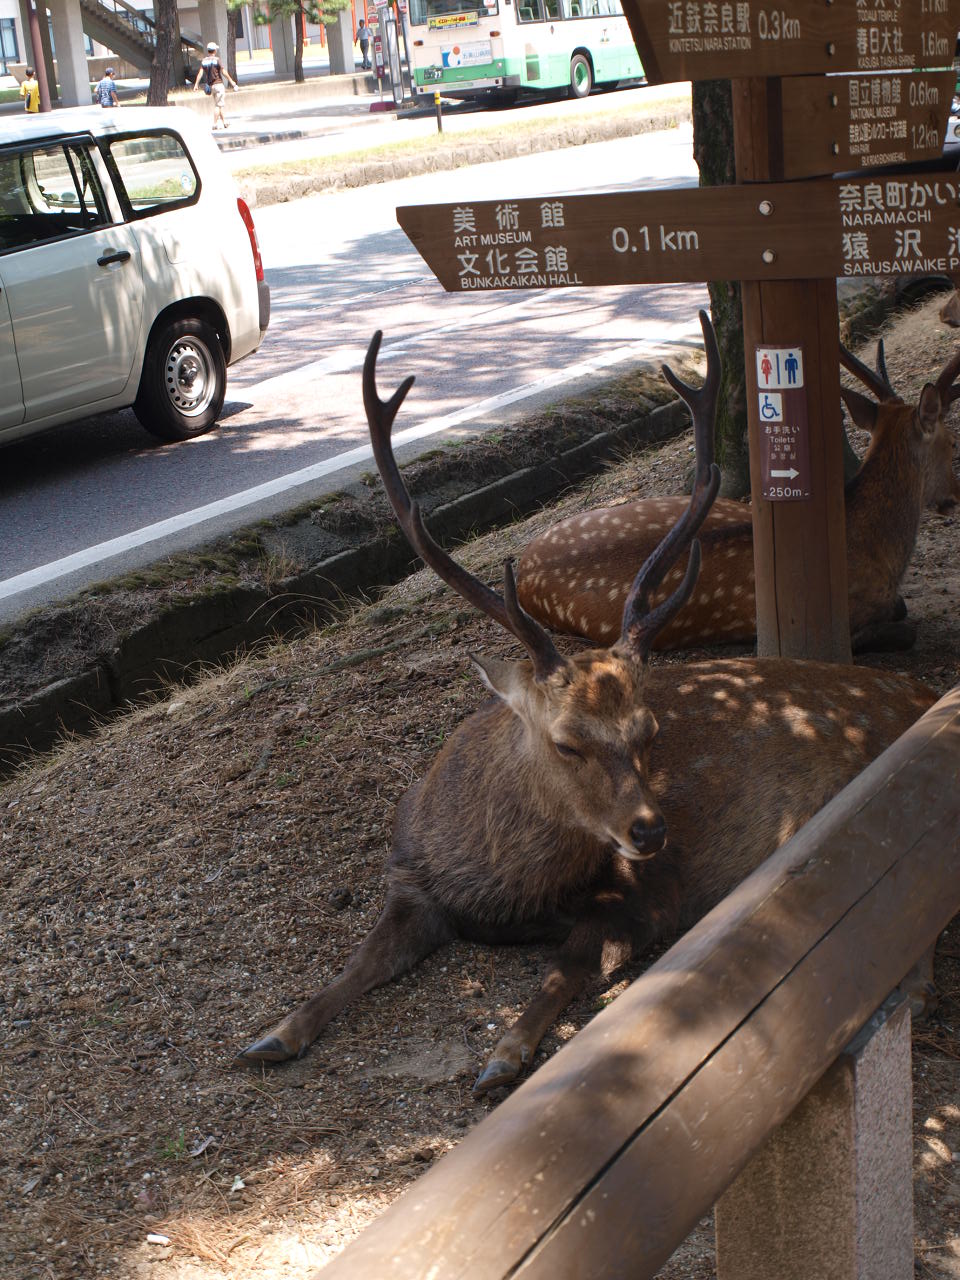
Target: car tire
(581,76)
(184,381)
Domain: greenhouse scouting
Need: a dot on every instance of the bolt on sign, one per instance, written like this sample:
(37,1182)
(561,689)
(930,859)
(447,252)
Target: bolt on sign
(719,39)
(879,226)
(833,124)
(782,410)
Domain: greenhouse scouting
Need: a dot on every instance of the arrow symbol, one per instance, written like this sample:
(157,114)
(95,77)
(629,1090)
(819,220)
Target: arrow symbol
(785,475)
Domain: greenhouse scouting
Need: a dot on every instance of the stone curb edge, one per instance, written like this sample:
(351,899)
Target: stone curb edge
(184,640)
(359,173)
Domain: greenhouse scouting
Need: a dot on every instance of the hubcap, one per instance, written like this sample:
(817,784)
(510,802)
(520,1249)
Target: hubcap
(189,377)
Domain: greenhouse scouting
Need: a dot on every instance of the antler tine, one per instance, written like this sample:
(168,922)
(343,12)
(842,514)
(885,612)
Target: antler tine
(641,625)
(508,613)
(702,398)
(877,382)
(882,369)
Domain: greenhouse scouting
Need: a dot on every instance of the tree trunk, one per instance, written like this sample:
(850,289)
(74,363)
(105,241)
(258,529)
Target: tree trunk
(298,19)
(233,22)
(165,16)
(713,152)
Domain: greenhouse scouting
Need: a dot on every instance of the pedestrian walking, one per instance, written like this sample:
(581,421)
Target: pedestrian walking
(106,91)
(363,37)
(213,74)
(30,90)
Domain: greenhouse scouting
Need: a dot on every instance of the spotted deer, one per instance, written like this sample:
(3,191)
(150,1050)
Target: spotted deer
(590,802)
(576,576)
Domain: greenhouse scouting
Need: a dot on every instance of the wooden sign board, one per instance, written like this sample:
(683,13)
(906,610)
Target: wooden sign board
(898,225)
(832,124)
(722,39)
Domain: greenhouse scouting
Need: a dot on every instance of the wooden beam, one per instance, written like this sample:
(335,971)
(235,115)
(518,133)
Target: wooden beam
(800,547)
(603,1161)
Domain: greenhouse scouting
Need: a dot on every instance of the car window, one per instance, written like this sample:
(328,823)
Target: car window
(49,192)
(153,171)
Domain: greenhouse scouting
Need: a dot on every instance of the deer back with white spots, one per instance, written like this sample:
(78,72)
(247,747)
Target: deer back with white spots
(563,811)
(575,577)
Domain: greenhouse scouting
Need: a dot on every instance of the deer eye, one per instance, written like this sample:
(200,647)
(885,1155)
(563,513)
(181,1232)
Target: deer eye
(567,752)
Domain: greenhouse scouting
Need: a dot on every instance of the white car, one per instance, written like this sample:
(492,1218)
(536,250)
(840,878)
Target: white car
(130,272)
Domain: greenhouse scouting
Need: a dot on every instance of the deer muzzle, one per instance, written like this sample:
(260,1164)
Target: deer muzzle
(649,835)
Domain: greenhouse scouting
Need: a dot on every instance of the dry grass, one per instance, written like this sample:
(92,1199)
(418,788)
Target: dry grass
(174,884)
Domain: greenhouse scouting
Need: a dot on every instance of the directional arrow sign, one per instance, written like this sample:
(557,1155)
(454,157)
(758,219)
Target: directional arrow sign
(832,124)
(898,225)
(711,39)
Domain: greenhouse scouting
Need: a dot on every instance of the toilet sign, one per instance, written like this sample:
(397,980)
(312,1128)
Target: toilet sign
(782,411)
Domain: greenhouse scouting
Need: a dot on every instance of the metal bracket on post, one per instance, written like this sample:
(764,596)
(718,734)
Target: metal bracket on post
(830,1193)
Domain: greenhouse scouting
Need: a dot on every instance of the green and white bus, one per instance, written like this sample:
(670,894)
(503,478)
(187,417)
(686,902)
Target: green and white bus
(500,48)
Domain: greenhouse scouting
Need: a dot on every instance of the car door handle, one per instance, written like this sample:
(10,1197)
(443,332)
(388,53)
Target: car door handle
(114,255)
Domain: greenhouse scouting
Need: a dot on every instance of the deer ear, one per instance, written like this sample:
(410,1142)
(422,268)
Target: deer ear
(929,409)
(508,680)
(862,410)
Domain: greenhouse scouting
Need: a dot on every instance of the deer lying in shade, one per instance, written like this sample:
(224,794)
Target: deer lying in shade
(576,576)
(594,802)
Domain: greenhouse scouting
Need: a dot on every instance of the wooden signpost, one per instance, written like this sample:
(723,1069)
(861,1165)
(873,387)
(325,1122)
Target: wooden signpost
(835,124)
(723,39)
(881,225)
(787,241)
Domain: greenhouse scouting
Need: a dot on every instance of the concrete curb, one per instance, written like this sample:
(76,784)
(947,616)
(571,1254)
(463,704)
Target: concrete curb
(454,154)
(182,640)
(282,93)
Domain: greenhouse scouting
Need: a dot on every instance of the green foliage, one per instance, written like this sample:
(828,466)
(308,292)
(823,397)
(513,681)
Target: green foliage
(316,11)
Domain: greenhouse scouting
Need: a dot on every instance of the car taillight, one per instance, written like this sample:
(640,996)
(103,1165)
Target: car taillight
(247,217)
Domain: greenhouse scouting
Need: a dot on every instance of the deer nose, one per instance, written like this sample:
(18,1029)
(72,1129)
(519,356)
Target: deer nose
(649,836)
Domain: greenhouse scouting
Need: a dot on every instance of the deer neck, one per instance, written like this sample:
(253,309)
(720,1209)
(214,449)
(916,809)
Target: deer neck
(884,502)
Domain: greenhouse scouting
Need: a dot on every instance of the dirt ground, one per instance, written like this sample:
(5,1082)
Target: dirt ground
(171,886)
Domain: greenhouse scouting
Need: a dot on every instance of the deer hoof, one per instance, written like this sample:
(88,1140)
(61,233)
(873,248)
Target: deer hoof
(923,997)
(269,1049)
(497,1072)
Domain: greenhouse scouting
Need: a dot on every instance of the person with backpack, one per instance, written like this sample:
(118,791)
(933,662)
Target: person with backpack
(213,74)
(30,91)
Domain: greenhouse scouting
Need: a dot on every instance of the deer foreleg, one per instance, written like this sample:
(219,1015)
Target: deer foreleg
(408,929)
(625,916)
(563,980)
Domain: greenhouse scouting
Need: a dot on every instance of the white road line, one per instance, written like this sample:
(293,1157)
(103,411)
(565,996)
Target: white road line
(672,334)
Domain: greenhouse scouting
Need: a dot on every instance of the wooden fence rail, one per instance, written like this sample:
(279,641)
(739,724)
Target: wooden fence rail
(604,1160)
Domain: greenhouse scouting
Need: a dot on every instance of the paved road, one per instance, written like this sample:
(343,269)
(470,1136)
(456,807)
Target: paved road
(83,502)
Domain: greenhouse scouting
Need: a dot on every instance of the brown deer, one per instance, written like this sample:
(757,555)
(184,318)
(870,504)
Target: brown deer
(563,811)
(576,576)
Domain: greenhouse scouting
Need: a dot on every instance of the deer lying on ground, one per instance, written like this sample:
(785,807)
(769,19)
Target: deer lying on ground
(595,802)
(575,577)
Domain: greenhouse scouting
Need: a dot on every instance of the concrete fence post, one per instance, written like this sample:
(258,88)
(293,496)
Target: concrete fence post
(830,1193)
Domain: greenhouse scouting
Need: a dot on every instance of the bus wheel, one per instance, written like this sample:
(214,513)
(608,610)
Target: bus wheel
(581,77)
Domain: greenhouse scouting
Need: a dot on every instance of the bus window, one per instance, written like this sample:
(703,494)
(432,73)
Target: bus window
(531,11)
(423,11)
(553,10)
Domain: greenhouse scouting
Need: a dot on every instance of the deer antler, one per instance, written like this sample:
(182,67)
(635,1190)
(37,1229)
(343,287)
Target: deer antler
(505,610)
(877,382)
(640,626)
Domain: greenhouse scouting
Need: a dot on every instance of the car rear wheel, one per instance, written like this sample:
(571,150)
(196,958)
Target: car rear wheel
(581,76)
(184,381)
